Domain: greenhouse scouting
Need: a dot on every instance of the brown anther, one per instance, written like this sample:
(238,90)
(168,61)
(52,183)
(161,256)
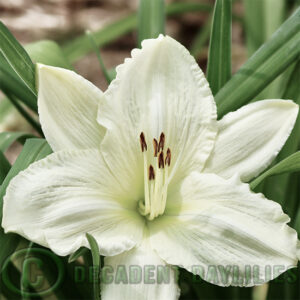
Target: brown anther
(155,147)
(161,162)
(151,173)
(161,142)
(143,142)
(168,157)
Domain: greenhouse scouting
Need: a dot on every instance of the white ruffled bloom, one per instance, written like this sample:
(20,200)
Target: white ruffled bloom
(148,170)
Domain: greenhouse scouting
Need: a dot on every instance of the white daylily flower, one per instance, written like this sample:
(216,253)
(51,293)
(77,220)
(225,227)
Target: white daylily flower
(156,179)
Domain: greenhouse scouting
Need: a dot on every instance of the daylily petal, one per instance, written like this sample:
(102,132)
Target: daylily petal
(57,200)
(138,274)
(68,106)
(218,224)
(251,137)
(161,89)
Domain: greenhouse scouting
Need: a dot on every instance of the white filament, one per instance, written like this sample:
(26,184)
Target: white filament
(155,190)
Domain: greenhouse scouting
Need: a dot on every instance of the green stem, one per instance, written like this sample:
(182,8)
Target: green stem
(24,113)
(97,51)
(219,56)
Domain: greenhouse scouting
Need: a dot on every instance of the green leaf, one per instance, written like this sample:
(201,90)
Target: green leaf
(46,52)
(97,51)
(8,138)
(290,200)
(33,150)
(80,252)
(219,57)
(11,82)
(289,165)
(151,19)
(96,263)
(279,188)
(17,58)
(274,14)
(268,16)
(292,90)
(286,182)
(254,24)
(297,222)
(49,53)
(262,68)
(4,167)
(284,188)
(6,292)
(94,249)
(24,282)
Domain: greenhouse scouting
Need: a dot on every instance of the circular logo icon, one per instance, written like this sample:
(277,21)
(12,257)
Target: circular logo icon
(42,272)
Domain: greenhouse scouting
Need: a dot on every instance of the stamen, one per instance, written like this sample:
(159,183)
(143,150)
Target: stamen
(156,177)
(143,142)
(166,178)
(155,147)
(161,162)
(161,142)
(151,173)
(146,184)
(168,157)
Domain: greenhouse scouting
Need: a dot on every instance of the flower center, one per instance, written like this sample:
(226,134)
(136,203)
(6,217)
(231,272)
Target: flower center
(156,176)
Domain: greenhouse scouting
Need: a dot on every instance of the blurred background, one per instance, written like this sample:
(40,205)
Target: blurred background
(62,20)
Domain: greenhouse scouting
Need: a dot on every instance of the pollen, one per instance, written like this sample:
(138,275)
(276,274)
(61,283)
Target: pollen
(143,142)
(156,176)
(151,173)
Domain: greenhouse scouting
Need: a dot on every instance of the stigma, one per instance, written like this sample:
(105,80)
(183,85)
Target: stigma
(156,175)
